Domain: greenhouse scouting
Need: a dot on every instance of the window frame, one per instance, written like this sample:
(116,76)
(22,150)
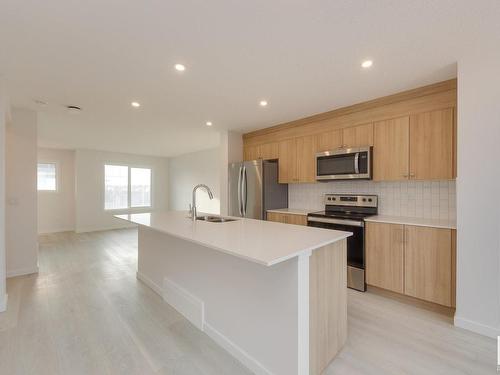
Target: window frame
(57,177)
(129,207)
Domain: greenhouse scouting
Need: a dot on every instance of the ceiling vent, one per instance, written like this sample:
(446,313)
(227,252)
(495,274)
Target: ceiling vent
(73,109)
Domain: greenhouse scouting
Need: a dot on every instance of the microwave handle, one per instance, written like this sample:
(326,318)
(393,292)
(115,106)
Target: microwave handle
(356,163)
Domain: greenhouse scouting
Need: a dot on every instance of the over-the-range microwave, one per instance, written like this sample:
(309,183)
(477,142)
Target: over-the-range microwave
(344,164)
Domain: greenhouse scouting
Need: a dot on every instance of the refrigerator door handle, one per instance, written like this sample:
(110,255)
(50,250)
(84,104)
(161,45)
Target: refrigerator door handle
(240,175)
(244,192)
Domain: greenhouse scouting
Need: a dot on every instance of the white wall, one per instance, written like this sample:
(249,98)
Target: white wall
(230,151)
(21,213)
(189,170)
(4,115)
(89,168)
(56,210)
(478,188)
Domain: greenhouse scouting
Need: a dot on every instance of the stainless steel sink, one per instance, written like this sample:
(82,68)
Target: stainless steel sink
(215,219)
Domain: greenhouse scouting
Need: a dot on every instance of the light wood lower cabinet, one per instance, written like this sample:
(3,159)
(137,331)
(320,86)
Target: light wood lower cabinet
(287,218)
(384,256)
(428,264)
(412,260)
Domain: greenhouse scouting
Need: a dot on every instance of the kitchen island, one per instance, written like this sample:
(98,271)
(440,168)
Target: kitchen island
(273,295)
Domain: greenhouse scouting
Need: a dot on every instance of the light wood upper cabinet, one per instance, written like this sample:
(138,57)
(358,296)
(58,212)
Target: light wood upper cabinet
(269,151)
(287,161)
(328,141)
(355,136)
(428,264)
(250,152)
(266,151)
(391,149)
(384,256)
(431,145)
(358,136)
(306,159)
(297,160)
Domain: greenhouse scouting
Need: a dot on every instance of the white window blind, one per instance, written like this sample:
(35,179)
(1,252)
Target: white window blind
(140,187)
(116,187)
(46,177)
(126,187)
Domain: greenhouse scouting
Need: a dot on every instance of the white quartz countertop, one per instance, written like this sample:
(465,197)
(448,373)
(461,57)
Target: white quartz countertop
(435,223)
(263,242)
(293,211)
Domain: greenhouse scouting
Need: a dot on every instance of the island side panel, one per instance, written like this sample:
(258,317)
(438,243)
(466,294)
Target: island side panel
(253,306)
(327,304)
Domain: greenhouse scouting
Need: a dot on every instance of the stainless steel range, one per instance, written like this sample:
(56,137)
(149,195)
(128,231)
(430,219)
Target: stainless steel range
(347,212)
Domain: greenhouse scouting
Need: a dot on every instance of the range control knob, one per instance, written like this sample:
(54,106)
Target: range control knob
(329,198)
(369,199)
(364,199)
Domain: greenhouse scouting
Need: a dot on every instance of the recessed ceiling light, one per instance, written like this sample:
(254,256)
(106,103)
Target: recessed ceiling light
(73,109)
(180,67)
(367,63)
(263,103)
(135,104)
(209,123)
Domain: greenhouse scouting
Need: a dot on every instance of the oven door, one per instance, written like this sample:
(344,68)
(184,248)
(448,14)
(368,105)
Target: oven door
(345,164)
(355,248)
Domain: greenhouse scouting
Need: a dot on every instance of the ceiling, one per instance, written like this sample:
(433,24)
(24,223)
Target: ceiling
(302,56)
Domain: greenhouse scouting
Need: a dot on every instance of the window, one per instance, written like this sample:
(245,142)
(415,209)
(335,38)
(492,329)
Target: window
(140,187)
(126,187)
(116,187)
(46,177)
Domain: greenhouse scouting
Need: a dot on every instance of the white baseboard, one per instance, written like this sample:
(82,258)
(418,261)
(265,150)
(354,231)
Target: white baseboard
(22,271)
(146,280)
(104,228)
(477,327)
(3,302)
(246,359)
(184,302)
(57,230)
(193,309)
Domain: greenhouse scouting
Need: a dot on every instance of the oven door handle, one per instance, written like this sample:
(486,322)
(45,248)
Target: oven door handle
(352,223)
(356,163)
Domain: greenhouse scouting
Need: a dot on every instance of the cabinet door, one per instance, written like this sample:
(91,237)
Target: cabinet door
(287,161)
(431,145)
(306,159)
(391,149)
(275,216)
(428,264)
(358,136)
(328,141)
(297,219)
(250,152)
(269,151)
(384,256)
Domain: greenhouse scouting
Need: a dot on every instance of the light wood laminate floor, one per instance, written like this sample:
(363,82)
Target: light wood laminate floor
(86,313)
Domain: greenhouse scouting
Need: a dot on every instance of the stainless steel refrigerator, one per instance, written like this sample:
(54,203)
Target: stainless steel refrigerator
(254,189)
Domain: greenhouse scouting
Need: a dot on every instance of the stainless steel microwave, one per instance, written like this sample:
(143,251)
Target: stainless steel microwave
(344,164)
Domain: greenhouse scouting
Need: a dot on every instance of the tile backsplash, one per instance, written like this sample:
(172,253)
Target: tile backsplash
(422,199)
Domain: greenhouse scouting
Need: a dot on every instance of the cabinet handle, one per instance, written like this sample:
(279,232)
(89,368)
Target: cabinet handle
(412,175)
(406,175)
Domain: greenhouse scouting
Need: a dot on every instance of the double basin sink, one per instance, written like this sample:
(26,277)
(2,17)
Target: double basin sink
(215,219)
